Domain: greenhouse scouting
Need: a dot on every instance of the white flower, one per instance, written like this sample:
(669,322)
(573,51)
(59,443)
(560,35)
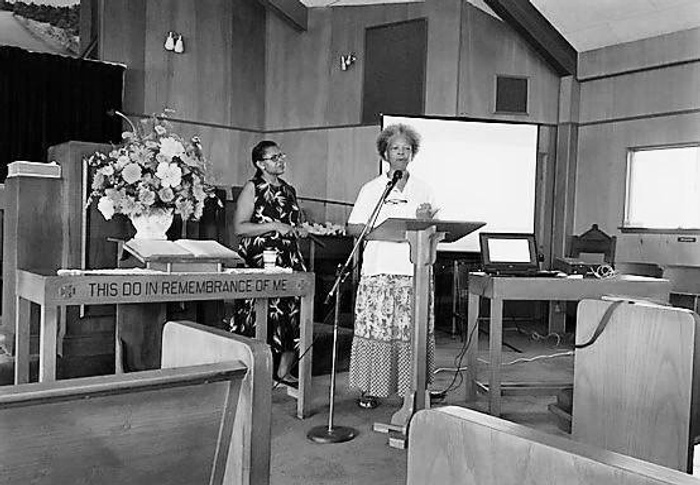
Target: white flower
(160,130)
(169,174)
(170,147)
(147,197)
(166,194)
(122,161)
(106,207)
(107,170)
(131,173)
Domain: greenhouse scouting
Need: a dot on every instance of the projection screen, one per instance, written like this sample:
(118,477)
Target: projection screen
(479,170)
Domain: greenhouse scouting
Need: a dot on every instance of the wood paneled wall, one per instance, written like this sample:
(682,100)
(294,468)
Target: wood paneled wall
(330,163)
(220,76)
(665,49)
(640,108)
(121,34)
(247,75)
(305,85)
(489,48)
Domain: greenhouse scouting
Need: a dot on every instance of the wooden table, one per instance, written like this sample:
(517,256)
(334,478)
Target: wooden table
(131,288)
(501,288)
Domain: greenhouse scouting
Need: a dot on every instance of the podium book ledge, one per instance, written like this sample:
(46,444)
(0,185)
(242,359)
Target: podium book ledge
(394,229)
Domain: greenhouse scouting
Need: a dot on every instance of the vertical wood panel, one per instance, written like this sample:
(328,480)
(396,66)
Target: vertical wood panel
(442,72)
(351,152)
(490,47)
(246,102)
(122,38)
(307,161)
(297,67)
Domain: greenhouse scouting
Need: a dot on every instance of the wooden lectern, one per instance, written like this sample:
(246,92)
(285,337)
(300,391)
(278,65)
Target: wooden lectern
(423,235)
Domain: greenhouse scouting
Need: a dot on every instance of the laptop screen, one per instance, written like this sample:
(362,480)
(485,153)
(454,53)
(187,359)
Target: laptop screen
(508,252)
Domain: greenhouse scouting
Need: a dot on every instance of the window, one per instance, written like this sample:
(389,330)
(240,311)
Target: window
(663,188)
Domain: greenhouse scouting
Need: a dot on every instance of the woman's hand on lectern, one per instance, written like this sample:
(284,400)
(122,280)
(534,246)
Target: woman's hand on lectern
(426,211)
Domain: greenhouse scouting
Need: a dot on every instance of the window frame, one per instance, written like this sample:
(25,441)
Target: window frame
(625,227)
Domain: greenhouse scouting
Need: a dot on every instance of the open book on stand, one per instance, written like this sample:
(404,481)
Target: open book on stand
(183,255)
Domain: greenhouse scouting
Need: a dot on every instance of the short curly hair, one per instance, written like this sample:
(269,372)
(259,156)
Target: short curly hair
(398,129)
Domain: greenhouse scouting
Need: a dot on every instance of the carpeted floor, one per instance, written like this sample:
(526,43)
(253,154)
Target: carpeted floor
(368,459)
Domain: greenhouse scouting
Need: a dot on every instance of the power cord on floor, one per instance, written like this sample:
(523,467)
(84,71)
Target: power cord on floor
(457,377)
(531,359)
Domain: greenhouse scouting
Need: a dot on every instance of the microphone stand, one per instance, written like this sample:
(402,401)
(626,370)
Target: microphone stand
(338,434)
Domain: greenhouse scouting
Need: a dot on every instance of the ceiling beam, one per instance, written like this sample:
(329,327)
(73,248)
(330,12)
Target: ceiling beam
(292,11)
(538,32)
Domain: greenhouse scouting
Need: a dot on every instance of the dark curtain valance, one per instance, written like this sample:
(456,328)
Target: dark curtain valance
(47,99)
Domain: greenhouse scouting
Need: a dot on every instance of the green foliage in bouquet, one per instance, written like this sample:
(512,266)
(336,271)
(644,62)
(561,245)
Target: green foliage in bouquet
(153,169)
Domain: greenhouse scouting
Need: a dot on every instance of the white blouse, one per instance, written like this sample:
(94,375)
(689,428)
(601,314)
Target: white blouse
(384,257)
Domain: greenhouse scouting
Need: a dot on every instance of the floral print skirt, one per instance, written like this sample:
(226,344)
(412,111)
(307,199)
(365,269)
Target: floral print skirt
(380,360)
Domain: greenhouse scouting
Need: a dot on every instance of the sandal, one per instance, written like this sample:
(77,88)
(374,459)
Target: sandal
(368,402)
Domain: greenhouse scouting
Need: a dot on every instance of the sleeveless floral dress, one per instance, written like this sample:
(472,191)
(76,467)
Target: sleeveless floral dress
(272,203)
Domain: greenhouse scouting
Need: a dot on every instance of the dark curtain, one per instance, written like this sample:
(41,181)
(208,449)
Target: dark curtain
(47,99)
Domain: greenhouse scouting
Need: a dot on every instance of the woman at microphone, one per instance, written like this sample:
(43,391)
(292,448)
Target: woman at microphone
(267,218)
(380,360)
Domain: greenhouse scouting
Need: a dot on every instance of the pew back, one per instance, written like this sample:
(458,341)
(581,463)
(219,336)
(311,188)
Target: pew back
(188,343)
(182,424)
(461,446)
(161,426)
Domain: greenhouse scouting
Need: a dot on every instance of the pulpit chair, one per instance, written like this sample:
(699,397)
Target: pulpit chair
(594,245)
(593,241)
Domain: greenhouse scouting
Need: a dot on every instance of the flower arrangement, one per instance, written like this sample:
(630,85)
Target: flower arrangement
(153,170)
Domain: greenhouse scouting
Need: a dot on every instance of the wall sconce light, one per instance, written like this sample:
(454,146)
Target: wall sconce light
(179,44)
(347,60)
(174,43)
(169,42)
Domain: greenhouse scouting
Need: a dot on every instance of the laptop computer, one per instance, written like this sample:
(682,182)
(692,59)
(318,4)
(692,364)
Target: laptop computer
(510,254)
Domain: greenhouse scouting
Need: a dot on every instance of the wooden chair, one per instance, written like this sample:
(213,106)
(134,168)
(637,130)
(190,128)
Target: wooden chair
(593,241)
(461,446)
(204,418)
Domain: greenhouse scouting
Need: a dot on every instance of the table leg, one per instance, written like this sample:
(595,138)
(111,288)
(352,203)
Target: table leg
(472,338)
(47,343)
(495,356)
(140,334)
(557,317)
(261,319)
(306,336)
(22,308)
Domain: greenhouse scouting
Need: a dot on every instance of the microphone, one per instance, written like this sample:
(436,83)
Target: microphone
(395,179)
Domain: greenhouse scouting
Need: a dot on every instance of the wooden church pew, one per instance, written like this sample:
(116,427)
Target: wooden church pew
(460,446)
(182,424)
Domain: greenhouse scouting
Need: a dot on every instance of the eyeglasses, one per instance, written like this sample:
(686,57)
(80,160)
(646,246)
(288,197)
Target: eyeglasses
(277,157)
(396,201)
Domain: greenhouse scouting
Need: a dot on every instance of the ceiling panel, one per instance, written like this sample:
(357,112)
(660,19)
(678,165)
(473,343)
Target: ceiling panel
(591,24)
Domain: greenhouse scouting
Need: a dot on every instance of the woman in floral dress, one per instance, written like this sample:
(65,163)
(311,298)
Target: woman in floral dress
(268,217)
(380,360)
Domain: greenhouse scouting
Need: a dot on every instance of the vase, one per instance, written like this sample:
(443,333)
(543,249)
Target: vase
(152,224)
